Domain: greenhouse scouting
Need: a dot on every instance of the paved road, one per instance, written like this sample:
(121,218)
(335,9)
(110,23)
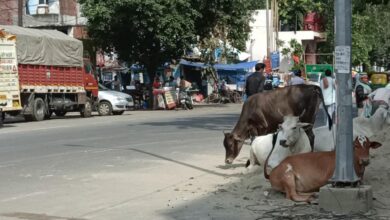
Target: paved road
(119,167)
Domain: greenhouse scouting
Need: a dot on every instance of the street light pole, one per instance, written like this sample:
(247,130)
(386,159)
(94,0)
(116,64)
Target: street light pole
(344,172)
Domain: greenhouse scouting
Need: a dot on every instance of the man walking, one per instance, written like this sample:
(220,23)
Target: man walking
(255,82)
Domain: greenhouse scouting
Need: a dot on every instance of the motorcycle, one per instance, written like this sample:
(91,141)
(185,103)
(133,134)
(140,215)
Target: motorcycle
(185,100)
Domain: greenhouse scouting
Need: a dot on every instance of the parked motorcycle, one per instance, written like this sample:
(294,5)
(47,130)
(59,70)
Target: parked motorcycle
(185,100)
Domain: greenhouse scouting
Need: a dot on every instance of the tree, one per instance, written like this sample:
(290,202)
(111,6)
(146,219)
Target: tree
(154,31)
(147,31)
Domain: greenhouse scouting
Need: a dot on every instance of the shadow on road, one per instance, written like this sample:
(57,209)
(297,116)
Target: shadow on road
(184,164)
(221,122)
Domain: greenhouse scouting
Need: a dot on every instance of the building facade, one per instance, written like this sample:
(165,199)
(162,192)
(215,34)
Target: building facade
(62,15)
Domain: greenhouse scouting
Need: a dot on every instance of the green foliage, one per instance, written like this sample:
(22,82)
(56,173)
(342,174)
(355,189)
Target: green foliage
(294,49)
(154,31)
(292,12)
(370,35)
(148,31)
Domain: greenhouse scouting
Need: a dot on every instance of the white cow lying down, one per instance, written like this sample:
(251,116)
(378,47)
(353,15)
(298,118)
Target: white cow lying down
(325,141)
(371,126)
(291,139)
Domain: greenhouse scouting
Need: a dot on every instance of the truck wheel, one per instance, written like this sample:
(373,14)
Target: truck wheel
(118,113)
(104,108)
(38,110)
(60,113)
(86,110)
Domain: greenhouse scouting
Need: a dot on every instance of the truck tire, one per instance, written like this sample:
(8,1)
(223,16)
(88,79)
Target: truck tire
(104,108)
(38,113)
(60,113)
(86,109)
(118,112)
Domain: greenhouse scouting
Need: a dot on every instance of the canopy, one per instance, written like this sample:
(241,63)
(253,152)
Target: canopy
(237,66)
(45,47)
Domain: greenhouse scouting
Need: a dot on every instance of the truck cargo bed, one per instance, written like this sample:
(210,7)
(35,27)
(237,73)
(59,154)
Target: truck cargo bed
(50,79)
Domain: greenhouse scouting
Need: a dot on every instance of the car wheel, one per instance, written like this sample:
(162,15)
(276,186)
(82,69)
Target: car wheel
(104,108)
(118,113)
(38,113)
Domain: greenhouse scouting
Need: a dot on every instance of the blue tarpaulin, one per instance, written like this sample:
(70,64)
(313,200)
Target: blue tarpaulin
(236,66)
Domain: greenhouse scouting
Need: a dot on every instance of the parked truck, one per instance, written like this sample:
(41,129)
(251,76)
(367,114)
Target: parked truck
(43,72)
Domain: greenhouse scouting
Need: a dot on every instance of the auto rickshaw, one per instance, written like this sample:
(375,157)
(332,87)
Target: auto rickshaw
(378,80)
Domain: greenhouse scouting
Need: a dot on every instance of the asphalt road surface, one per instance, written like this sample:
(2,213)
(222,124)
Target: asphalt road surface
(118,167)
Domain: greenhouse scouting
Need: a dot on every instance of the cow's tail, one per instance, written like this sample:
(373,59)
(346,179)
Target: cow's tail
(274,137)
(319,92)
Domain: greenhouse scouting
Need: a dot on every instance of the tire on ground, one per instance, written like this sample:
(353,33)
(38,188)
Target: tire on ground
(86,109)
(39,109)
(104,108)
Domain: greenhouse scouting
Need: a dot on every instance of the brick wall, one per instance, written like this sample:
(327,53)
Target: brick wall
(8,12)
(69,7)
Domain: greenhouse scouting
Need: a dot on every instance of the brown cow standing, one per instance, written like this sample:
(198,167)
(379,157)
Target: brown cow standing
(263,112)
(301,175)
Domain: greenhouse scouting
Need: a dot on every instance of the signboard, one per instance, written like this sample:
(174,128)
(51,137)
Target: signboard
(275,60)
(318,68)
(170,100)
(343,59)
(9,78)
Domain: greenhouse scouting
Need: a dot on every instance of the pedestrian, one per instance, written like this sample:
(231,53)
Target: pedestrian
(296,79)
(255,82)
(328,87)
(116,84)
(156,83)
(362,90)
(380,97)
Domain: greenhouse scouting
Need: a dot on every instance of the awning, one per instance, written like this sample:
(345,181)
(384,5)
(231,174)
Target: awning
(236,66)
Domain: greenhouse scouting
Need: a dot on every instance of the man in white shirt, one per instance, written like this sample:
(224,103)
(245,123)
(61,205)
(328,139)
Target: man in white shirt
(380,97)
(328,87)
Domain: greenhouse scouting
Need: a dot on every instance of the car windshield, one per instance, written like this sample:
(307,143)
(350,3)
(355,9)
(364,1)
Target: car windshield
(103,88)
(313,77)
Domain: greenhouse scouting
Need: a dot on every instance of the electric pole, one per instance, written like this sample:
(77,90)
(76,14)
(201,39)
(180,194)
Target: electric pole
(344,172)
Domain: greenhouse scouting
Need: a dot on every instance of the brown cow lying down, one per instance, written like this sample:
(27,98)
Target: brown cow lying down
(300,175)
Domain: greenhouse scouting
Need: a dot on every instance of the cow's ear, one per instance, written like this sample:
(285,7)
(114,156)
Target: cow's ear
(375,145)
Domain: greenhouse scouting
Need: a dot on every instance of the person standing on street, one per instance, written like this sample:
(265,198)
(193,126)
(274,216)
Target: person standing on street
(328,87)
(362,90)
(296,79)
(255,82)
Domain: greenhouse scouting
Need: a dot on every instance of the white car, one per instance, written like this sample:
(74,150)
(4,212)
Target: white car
(113,102)
(314,79)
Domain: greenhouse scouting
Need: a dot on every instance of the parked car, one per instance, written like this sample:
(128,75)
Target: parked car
(113,102)
(314,79)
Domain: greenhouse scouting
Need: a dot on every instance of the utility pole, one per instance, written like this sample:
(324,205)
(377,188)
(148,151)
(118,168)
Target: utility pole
(343,196)
(267,29)
(20,13)
(344,172)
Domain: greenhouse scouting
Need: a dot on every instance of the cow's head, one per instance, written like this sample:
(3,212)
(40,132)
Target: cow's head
(362,147)
(290,130)
(233,145)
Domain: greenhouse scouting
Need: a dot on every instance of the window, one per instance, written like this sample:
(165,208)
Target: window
(43,2)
